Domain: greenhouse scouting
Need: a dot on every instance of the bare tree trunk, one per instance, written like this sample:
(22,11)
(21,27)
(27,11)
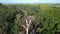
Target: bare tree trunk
(28,25)
(27,28)
(27,31)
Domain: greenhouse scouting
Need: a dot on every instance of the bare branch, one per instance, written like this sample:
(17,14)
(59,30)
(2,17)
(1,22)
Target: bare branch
(29,21)
(26,22)
(23,26)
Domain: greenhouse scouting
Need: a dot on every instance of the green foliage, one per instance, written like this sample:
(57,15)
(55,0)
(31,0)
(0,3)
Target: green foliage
(47,15)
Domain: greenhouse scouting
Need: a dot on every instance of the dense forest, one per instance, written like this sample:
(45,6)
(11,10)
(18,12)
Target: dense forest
(47,18)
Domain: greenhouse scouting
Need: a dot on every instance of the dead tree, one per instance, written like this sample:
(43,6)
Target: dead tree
(25,22)
(29,21)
